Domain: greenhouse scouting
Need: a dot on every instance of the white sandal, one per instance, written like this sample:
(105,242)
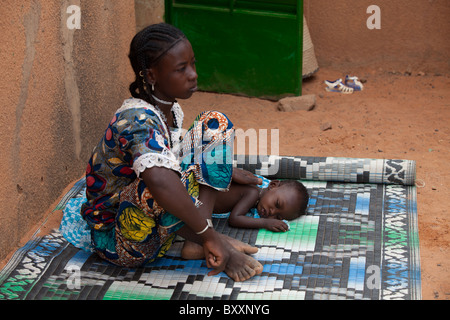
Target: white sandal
(353,82)
(338,86)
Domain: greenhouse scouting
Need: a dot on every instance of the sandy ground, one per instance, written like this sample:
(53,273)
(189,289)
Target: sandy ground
(398,115)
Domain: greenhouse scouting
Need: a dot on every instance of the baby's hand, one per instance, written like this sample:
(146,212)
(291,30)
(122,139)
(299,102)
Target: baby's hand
(276,225)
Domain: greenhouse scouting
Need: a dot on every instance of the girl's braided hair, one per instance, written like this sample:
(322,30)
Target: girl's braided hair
(147,48)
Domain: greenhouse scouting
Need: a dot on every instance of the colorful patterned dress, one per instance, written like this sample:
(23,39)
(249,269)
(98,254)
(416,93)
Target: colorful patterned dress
(128,227)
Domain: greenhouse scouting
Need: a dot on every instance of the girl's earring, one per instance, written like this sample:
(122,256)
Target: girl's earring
(153,87)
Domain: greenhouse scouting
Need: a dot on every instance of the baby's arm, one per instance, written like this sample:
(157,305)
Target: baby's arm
(238,216)
(239,219)
(276,225)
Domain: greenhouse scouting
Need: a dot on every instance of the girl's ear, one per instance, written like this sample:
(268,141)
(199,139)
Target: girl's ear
(274,184)
(151,76)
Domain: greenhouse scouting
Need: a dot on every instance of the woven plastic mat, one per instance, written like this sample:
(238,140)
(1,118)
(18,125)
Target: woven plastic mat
(359,240)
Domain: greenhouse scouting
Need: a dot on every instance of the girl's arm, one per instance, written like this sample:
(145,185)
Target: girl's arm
(242,176)
(168,191)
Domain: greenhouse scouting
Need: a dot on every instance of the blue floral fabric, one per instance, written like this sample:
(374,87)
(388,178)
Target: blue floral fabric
(127,226)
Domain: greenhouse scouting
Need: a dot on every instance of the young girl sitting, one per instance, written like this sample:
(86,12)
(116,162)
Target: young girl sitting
(144,183)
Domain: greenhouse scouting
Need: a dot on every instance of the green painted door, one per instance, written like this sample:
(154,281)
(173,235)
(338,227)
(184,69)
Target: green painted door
(251,48)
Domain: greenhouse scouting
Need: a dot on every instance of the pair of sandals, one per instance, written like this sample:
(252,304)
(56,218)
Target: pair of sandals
(351,84)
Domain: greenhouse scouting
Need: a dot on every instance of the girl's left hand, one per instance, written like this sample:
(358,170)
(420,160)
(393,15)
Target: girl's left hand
(245,177)
(216,252)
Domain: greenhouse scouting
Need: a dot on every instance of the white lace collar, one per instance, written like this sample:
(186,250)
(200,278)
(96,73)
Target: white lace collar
(139,103)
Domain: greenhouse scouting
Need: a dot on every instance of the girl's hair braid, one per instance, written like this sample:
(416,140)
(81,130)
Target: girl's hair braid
(147,48)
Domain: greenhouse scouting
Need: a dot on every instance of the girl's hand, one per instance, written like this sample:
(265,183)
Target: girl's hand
(245,177)
(216,253)
(275,225)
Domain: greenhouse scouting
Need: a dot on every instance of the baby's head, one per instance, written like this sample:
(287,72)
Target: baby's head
(283,200)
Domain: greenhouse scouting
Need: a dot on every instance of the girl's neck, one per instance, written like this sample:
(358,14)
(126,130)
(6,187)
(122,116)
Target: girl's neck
(166,111)
(163,102)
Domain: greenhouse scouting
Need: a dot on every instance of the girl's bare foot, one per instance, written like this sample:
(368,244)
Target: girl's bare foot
(240,246)
(241,267)
(193,251)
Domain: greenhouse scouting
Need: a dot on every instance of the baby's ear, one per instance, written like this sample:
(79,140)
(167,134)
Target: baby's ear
(274,184)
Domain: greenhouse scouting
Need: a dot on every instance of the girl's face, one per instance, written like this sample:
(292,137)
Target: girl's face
(175,74)
(278,202)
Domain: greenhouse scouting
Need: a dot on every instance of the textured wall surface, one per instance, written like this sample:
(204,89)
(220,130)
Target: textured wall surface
(148,12)
(413,34)
(58,90)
